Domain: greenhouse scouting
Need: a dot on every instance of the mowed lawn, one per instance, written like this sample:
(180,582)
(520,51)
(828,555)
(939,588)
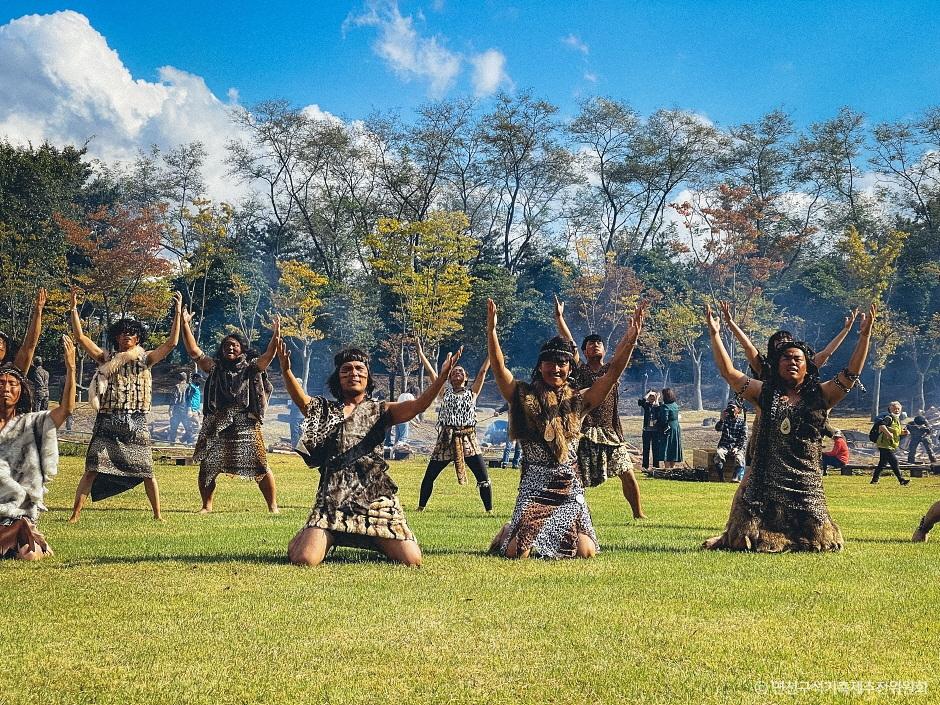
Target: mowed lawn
(205,609)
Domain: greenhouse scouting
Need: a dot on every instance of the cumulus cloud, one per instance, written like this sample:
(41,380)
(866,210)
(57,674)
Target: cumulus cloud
(409,54)
(574,42)
(489,72)
(414,56)
(61,82)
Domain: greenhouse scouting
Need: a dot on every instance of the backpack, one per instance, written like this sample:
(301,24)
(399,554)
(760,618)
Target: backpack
(876,429)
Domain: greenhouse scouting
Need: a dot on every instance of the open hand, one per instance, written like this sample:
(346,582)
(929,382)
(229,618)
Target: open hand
(283,356)
(40,299)
(177,303)
(868,321)
(490,314)
(74,297)
(449,363)
(712,320)
(187,316)
(850,319)
(725,307)
(69,356)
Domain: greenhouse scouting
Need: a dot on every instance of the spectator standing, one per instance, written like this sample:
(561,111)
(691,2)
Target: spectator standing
(39,376)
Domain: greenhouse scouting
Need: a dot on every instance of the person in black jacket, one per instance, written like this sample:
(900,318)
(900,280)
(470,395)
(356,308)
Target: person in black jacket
(649,404)
(920,430)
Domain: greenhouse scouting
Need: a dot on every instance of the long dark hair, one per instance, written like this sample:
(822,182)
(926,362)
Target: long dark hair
(776,340)
(340,359)
(25,403)
(669,396)
(11,348)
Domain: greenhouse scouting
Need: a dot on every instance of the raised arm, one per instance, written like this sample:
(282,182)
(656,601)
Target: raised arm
(835,389)
(741,384)
(598,391)
(157,354)
(562,327)
(24,358)
(751,354)
(265,358)
(88,345)
(820,358)
(402,411)
(67,404)
(203,361)
(429,368)
(501,373)
(481,377)
(294,389)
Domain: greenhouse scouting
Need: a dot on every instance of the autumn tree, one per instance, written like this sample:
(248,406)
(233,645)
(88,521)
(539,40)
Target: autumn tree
(297,301)
(424,265)
(870,264)
(119,262)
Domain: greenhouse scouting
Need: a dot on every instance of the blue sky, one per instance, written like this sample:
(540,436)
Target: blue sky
(730,61)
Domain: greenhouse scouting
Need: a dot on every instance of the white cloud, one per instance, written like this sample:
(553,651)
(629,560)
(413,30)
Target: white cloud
(61,82)
(574,41)
(489,72)
(409,54)
(590,76)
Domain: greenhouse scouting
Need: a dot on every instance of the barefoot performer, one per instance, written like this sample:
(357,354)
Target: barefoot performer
(780,505)
(457,435)
(551,518)
(29,458)
(357,502)
(602,450)
(22,356)
(233,405)
(119,454)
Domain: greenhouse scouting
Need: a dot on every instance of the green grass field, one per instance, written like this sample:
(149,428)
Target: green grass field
(205,609)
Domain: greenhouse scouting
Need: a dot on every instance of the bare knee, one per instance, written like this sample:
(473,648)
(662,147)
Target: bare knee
(304,555)
(307,548)
(586,547)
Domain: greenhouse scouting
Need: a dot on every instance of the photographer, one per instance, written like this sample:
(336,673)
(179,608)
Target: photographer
(733,440)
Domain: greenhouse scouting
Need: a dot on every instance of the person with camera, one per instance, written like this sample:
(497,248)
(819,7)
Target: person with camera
(733,441)
(649,404)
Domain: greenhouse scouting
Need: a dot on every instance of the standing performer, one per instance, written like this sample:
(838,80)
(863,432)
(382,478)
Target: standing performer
(457,435)
(551,518)
(233,404)
(119,455)
(780,505)
(29,458)
(602,450)
(357,502)
(22,356)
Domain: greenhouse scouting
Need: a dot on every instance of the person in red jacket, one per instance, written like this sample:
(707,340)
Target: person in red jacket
(838,456)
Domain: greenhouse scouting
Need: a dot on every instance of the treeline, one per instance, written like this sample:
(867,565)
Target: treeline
(373,232)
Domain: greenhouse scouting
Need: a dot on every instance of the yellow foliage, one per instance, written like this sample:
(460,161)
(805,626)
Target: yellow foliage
(297,300)
(424,263)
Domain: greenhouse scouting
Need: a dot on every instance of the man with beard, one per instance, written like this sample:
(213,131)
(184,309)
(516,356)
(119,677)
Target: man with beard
(602,450)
